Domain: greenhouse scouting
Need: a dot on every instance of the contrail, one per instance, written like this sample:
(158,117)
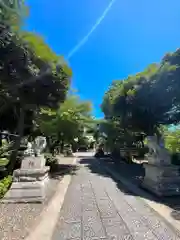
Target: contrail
(85,39)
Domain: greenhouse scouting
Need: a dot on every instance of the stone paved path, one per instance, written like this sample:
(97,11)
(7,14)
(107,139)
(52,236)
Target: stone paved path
(95,208)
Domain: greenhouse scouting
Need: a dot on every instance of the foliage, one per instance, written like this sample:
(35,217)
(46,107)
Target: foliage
(4,185)
(112,132)
(50,159)
(146,101)
(12,12)
(34,82)
(68,122)
(27,82)
(172,141)
(5,151)
(41,49)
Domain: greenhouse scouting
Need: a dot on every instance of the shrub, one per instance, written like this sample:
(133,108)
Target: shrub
(5,183)
(50,159)
(5,151)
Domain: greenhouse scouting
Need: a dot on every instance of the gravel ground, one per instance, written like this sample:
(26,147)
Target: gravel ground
(17,219)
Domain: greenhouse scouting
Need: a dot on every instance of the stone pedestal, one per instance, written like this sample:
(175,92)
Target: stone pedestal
(161,177)
(162,180)
(29,182)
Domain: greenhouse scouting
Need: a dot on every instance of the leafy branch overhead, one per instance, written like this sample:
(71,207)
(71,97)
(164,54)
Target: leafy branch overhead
(25,74)
(148,99)
(32,76)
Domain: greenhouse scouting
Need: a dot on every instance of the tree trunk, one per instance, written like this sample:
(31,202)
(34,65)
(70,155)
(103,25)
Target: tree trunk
(62,146)
(142,144)
(16,145)
(0,140)
(151,130)
(158,134)
(48,146)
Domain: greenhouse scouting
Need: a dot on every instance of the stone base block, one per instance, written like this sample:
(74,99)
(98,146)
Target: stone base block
(26,192)
(162,180)
(28,175)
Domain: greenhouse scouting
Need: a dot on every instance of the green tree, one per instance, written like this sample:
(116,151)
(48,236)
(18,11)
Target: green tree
(28,80)
(12,12)
(68,122)
(172,140)
(147,100)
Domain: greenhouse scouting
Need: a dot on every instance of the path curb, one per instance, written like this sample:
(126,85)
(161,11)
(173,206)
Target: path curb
(161,209)
(49,217)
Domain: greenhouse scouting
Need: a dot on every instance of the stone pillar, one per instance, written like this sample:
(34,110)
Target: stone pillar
(29,182)
(161,177)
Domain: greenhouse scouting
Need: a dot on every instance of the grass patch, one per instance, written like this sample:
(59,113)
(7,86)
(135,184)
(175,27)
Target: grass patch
(5,184)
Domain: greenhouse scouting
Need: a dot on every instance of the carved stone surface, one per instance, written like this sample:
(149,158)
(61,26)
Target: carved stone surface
(27,175)
(36,147)
(157,155)
(161,177)
(29,182)
(26,192)
(29,151)
(39,145)
(32,162)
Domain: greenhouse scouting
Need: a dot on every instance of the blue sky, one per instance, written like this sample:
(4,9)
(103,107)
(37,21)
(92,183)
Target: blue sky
(134,34)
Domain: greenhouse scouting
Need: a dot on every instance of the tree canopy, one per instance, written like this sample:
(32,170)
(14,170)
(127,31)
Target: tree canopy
(68,122)
(28,79)
(144,102)
(12,12)
(148,99)
(31,75)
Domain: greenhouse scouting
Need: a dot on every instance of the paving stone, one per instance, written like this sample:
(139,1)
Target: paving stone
(137,228)
(88,196)
(89,205)
(66,231)
(108,212)
(92,225)
(99,191)
(112,221)
(95,208)
(94,238)
(118,231)
(90,216)
(155,222)
(71,211)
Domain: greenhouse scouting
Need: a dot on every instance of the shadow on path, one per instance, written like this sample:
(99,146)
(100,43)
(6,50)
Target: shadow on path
(59,170)
(133,173)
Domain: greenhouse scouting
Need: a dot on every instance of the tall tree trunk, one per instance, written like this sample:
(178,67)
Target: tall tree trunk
(151,130)
(16,145)
(62,146)
(0,140)
(158,133)
(142,144)
(48,146)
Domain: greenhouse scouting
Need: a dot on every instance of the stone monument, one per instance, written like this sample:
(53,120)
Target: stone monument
(29,182)
(161,177)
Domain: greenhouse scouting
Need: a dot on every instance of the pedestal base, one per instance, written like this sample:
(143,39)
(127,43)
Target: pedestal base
(28,186)
(162,180)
